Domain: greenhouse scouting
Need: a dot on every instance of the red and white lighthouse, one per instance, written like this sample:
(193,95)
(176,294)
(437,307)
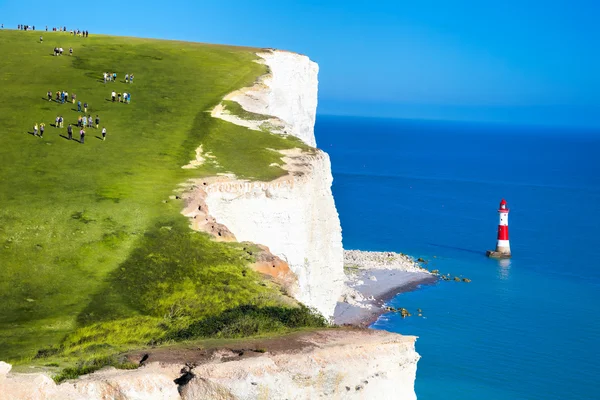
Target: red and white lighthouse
(503,244)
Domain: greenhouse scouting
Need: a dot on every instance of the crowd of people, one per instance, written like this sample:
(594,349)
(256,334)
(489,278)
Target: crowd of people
(22,27)
(83,121)
(76,32)
(121,98)
(58,51)
(62,97)
(112,77)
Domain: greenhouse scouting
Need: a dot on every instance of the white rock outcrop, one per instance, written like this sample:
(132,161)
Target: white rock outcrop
(287,94)
(297,219)
(330,364)
(294,216)
(338,365)
(4,369)
(153,382)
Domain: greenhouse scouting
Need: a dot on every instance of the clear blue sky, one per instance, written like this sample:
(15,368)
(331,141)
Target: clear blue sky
(512,60)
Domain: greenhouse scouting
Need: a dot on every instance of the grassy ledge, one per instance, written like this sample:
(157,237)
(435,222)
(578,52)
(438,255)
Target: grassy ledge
(95,259)
(236,109)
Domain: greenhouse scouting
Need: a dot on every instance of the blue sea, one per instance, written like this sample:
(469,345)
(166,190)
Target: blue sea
(524,328)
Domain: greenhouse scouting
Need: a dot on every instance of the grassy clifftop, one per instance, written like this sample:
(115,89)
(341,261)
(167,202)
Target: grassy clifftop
(92,258)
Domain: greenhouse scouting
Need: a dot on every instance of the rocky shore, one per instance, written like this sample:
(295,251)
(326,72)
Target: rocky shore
(372,279)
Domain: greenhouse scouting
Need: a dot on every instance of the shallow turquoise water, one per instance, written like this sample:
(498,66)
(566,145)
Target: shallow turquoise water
(527,328)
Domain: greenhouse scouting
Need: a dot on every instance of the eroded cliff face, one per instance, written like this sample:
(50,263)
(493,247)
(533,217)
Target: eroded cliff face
(294,216)
(328,364)
(288,94)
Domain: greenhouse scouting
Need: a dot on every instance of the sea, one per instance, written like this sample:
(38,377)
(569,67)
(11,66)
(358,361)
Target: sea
(524,328)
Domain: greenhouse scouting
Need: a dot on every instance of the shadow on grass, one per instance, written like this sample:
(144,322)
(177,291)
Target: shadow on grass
(176,285)
(250,320)
(173,271)
(98,137)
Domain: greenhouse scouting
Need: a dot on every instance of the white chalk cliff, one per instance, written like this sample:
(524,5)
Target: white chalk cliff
(295,215)
(330,364)
(288,94)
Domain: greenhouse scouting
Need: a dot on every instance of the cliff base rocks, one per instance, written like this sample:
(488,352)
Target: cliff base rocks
(373,278)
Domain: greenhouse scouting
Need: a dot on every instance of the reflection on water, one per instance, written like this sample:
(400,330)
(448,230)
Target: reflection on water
(504,268)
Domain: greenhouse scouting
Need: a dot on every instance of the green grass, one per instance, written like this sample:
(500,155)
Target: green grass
(236,109)
(92,365)
(88,247)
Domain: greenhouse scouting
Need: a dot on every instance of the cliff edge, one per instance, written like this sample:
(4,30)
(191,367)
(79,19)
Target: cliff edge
(295,224)
(329,364)
(295,215)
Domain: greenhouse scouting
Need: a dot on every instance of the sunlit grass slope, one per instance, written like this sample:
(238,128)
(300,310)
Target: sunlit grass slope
(91,255)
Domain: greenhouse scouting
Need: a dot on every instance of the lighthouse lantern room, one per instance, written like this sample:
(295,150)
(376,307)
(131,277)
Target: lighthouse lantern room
(503,244)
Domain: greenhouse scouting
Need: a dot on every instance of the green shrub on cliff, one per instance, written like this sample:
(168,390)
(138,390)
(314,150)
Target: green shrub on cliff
(248,320)
(92,365)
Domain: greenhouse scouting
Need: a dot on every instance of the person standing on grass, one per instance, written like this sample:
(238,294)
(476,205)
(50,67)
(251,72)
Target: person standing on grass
(104,74)
(130,78)
(81,136)
(90,121)
(85,106)
(73,97)
(103,133)
(79,121)
(49,94)
(84,122)
(42,127)
(79,106)
(70,131)
(119,97)
(114,76)
(60,121)
(66,96)
(114,95)
(126,78)
(128,98)
(70,51)
(56,121)
(41,39)
(97,121)
(58,97)
(35,129)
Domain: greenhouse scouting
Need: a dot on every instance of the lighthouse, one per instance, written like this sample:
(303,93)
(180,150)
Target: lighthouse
(502,245)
